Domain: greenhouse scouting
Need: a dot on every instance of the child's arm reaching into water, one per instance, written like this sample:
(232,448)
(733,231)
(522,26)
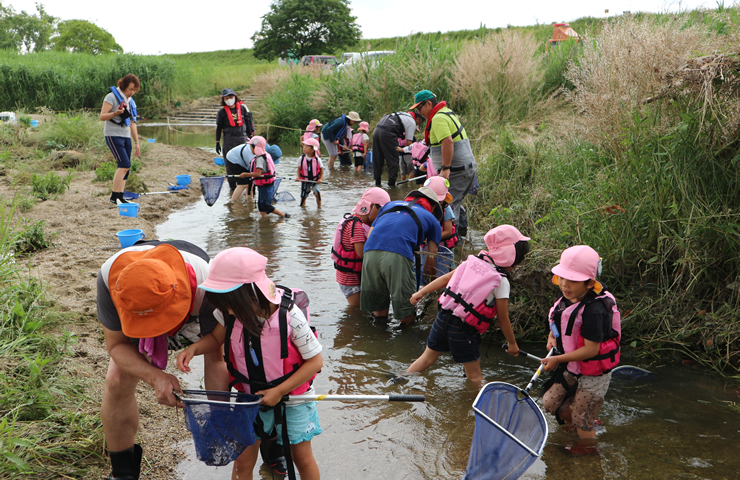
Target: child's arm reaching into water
(432,286)
(504,323)
(206,344)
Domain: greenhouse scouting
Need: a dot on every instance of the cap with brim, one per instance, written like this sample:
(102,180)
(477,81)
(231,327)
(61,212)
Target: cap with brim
(500,243)
(227,91)
(372,196)
(259,145)
(428,193)
(237,266)
(354,116)
(151,290)
(315,122)
(440,186)
(578,264)
(422,96)
(312,142)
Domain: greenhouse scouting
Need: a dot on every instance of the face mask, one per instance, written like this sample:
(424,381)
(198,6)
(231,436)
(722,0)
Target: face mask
(230,101)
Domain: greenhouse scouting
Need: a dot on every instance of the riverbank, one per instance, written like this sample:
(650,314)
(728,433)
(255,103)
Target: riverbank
(82,225)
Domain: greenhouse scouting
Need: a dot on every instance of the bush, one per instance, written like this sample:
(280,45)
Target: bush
(32,239)
(291,103)
(49,185)
(106,170)
(76,131)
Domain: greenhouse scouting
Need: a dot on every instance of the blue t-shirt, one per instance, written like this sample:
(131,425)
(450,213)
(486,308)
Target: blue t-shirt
(241,155)
(397,232)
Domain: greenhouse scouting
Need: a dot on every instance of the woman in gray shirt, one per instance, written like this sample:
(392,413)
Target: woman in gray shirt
(119,115)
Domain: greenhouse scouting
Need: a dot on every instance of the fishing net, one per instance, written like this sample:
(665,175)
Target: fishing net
(281,196)
(222,424)
(510,434)
(211,188)
(444,261)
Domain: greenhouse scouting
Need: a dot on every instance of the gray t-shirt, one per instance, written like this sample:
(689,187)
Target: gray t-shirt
(113,129)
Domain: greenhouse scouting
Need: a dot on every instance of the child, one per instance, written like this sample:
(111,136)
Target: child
(310,171)
(360,145)
(312,129)
(349,242)
(345,149)
(248,309)
(478,282)
(262,163)
(440,186)
(585,325)
(420,160)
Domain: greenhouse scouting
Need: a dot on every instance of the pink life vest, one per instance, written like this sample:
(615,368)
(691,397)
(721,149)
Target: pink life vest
(275,358)
(270,171)
(467,290)
(419,154)
(310,169)
(453,240)
(347,260)
(358,143)
(571,320)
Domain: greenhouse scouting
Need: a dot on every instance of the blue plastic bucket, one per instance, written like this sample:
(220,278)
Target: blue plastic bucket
(218,161)
(34,123)
(129,237)
(183,179)
(128,209)
(151,140)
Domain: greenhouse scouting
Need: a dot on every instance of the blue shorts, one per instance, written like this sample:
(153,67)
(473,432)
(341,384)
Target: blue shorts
(449,334)
(120,147)
(303,422)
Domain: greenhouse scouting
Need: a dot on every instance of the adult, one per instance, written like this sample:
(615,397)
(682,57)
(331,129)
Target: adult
(239,160)
(388,134)
(336,130)
(390,266)
(451,153)
(119,114)
(145,293)
(235,121)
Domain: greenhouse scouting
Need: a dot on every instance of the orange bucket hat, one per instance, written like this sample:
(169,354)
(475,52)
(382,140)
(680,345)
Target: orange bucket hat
(151,290)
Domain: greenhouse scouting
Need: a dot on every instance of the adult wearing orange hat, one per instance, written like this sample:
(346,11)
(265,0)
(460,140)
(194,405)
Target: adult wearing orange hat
(146,293)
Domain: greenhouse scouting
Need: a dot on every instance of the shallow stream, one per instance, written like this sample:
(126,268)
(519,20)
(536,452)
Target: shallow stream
(675,426)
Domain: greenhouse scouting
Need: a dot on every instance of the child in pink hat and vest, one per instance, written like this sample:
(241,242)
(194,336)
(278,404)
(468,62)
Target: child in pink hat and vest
(585,327)
(477,290)
(248,310)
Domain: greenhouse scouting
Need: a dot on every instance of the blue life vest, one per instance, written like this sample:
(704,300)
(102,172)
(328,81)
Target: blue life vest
(132,105)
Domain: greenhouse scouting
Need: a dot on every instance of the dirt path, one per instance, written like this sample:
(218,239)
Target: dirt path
(85,224)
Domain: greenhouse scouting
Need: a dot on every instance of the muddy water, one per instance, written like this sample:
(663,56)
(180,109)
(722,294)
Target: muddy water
(676,426)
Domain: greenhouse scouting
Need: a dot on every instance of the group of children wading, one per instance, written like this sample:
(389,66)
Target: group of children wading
(263,331)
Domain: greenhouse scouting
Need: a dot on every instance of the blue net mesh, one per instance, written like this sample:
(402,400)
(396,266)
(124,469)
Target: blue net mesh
(211,188)
(221,432)
(281,196)
(494,454)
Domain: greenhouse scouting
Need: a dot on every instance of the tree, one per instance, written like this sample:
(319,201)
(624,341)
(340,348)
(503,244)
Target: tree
(25,32)
(81,36)
(294,28)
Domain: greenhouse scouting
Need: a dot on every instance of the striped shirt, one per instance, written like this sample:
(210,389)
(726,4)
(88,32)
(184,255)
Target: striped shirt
(350,236)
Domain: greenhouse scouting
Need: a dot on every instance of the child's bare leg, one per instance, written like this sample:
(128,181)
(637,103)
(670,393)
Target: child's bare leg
(244,465)
(304,461)
(408,320)
(278,213)
(318,198)
(238,192)
(354,299)
(473,372)
(303,201)
(381,313)
(426,360)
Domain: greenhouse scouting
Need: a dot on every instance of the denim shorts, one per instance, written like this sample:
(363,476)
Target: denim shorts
(448,334)
(303,422)
(264,203)
(348,290)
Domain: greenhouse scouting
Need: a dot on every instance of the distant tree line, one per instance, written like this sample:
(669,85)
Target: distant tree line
(25,32)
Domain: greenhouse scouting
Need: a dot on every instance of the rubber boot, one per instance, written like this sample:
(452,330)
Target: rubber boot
(126,464)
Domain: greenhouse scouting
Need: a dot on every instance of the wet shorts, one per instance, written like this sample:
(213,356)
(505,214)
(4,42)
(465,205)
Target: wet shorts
(404,163)
(348,290)
(586,402)
(387,276)
(449,334)
(359,159)
(331,149)
(308,187)
(303,422)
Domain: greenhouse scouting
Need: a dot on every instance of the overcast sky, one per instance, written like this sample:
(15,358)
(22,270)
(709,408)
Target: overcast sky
(156,26)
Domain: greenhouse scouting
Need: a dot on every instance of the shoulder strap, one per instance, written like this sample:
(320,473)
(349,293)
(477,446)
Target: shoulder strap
(286,304)
(419,237)
(456,133)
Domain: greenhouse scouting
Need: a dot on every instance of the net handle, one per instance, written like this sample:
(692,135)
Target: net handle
(181,398)
(345,398)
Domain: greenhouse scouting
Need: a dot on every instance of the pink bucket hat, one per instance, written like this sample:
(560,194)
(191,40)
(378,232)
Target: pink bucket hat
(313,124)
(500,243)
(578,264)
(311,141)
(371,197)
(259,145)
(440,186)
(364,126)
(234,267)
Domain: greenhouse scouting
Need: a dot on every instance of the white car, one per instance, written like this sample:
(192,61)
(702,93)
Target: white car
(353,58)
